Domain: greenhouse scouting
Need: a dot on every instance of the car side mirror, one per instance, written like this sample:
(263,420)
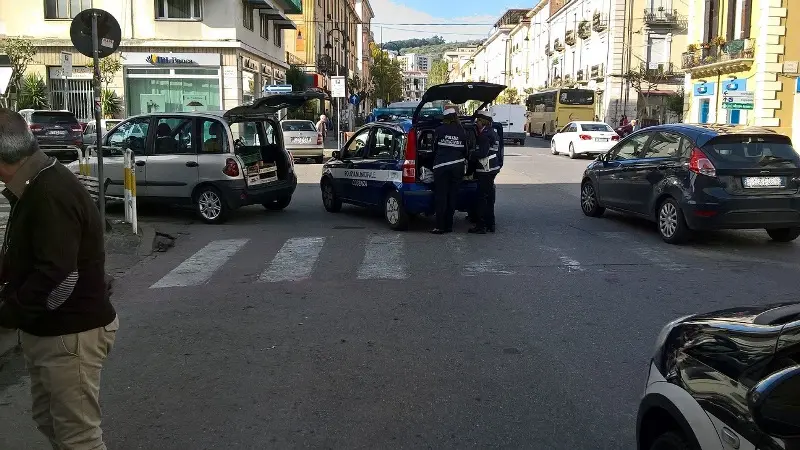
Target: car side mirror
(775,405)
(336,154)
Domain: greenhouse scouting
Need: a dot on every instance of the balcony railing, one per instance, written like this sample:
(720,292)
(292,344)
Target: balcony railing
(660,72)
(731,51)
(664,17)
(294,60)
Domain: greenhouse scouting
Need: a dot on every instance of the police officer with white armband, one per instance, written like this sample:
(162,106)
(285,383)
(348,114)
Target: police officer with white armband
(450,147)
(488,165)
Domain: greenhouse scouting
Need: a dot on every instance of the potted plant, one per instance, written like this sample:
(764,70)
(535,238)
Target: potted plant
(584,29)
(569,37)
(718,41)
(691,48)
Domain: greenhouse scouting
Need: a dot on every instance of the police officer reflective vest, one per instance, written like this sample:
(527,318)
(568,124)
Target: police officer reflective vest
(450,145)
(486,153)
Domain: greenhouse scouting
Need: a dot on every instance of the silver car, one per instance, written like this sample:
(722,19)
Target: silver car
(216,161)
(303,140)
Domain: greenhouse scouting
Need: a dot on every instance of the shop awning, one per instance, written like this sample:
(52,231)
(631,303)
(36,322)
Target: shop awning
(279,19)
(261,4)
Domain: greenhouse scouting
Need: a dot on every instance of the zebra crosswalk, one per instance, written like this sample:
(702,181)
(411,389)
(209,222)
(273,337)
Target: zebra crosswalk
(399,256)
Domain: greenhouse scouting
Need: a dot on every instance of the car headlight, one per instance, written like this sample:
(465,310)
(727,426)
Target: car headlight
(661,341)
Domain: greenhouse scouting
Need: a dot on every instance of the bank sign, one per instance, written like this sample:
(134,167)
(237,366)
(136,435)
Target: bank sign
(171,59)
(155,59)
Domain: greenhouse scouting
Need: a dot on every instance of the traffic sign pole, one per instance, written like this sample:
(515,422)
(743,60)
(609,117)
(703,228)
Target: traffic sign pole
(98,117)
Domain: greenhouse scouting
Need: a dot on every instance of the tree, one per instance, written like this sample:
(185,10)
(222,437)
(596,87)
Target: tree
(109,68)
(439,73)
(110,102)
(510,96)
(20,52)
(675,103)
(297,78)
(644,81)
(387,76)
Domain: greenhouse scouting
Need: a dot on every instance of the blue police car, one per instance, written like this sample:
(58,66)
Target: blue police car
(388,164)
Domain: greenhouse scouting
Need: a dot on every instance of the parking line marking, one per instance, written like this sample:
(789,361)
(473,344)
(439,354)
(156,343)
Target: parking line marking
(572,265)
(295,260)
(384,259)
(484,267)
(198,268)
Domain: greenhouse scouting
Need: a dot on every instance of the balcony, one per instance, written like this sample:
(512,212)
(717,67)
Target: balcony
(599,22)
(294,60)
(558,46)
(569,37)
(291,6)
(661,72)
(733,56)
(665,18)
(585,29)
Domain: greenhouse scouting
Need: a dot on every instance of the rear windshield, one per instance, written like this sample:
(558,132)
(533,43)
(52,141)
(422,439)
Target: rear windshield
(754,151)
(595,127)
(576,97)
(298,126)
(53,117)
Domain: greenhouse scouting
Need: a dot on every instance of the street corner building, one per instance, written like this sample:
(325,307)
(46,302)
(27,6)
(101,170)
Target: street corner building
(739,65)
(175,55)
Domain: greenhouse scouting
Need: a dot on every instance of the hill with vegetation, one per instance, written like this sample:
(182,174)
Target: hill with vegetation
(435,46)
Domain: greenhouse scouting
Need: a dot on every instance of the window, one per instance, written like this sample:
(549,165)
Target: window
(356,147)
(298,125)
(629,148)
(130,135)
(657,52)
(174,137)
(386,145)
(247,13)
(664,145)
(179,9)
(278,36)
(212,134)
(596,127)
(543,102)
(64,9)
(576,97)
(753,151)
(264,21)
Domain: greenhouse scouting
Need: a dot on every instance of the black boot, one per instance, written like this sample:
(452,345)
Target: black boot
(477,230)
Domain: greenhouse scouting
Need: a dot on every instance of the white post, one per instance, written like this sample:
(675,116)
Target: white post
(132,190)
(126,168)
(339,124)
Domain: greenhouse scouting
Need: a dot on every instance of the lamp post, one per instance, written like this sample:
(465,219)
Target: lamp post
(328,46)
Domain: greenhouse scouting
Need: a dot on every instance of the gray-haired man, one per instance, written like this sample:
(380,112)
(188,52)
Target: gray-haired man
(54,287)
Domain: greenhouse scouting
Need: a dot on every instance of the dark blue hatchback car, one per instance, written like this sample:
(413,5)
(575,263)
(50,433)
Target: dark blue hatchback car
(387,165)
(700,177)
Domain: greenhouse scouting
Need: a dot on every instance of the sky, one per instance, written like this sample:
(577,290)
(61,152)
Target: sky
(390,14)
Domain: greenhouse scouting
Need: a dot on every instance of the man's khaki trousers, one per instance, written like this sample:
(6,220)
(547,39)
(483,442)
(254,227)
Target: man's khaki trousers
(65,385)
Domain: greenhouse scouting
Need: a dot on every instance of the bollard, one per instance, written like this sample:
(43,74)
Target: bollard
(82,162)
(132,193)
(126,176)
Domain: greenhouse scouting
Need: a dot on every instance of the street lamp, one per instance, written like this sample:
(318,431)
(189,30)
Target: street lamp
(329,46)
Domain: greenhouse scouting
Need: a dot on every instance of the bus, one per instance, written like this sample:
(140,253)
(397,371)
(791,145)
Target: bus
(549,110)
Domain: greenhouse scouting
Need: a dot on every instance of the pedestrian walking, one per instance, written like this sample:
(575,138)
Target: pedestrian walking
(486,155)
(322,126)
(450,151)
(54,287)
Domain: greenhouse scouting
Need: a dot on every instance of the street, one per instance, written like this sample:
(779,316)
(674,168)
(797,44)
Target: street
(306,329)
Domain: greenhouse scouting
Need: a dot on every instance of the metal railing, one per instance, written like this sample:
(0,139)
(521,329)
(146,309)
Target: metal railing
(667,17)
(730,51)
(662,71)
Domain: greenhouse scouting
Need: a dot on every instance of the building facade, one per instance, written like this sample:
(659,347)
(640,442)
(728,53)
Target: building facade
(742,46)
(414,85)
(212,54)
(519,58)
(414,62)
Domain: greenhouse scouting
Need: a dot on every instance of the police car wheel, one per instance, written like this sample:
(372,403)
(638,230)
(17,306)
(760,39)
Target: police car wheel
(669,441)
(330,200)
(394,212)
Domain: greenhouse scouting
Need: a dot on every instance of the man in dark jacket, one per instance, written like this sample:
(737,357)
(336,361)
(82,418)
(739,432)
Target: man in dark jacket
(450,149)
(488,164)
(54,288)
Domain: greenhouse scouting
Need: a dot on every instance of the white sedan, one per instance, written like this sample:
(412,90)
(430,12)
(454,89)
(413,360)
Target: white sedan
(583,138)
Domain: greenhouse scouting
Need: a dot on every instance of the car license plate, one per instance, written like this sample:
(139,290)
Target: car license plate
(56,133)
(601,139)
(301,140)
(763,182)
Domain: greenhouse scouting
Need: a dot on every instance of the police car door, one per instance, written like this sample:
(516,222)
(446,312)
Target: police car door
(381,166)
(351,180)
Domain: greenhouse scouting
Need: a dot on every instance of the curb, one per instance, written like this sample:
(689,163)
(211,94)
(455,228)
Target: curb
(9,339)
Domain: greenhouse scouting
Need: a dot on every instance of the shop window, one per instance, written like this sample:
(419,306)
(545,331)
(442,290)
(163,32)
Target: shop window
(64,9)
(213,136)
(179,9)
(172,93)
(264,26)
(247,13)
(278,38)
(174,137)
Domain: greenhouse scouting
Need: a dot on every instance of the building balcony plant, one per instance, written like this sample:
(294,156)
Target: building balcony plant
(665,18)
(580,75)
(585,29)
(599,22)
(558,46)
(569,37)
(547,50)
(719,51)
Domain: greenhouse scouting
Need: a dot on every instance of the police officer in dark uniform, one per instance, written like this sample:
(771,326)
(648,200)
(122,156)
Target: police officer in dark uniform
(488,164)
(450,147)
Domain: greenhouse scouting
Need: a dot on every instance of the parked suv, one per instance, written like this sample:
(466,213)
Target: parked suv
(215,161)
(725,380)
(58,132)
(700,177)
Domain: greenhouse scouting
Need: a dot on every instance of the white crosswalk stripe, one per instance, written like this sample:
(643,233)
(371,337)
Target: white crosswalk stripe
(655,256)
(384,259)
(295,261)
(198,268)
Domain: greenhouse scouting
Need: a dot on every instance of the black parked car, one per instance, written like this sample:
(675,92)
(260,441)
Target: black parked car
(725,380)
(58,132)
(700,177)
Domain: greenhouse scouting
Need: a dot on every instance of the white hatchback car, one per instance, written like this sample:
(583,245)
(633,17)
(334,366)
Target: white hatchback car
(583,138)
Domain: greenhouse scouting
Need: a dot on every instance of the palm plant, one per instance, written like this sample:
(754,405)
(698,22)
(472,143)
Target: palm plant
(33,93)
(111,103)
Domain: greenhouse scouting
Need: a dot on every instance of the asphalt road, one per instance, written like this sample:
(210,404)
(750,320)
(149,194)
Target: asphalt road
(305,329)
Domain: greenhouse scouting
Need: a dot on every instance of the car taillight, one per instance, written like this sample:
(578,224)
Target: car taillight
(76,128)
(319,139)
(231,168)
(700,164)
(35,127)
(410,159)
(615,137)
(586,137)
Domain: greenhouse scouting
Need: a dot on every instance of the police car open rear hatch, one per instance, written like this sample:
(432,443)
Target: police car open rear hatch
(460,93)
(270,104)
